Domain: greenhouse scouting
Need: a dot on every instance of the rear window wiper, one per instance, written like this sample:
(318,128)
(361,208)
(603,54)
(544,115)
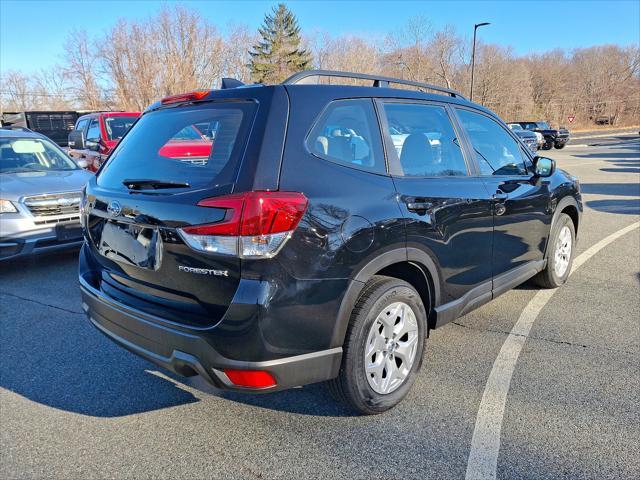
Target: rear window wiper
(150,184)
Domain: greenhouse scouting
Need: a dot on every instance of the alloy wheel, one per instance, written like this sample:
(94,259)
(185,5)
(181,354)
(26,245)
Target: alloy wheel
(563,251)
(391,347)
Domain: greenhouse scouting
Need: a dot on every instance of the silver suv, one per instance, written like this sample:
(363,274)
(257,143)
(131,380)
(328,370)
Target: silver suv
(40,191)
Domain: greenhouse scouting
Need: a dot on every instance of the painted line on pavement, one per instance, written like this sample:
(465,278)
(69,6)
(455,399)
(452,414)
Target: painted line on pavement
(485,444)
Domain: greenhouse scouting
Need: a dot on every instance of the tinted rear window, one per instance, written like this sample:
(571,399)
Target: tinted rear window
(116,127)
(199,146)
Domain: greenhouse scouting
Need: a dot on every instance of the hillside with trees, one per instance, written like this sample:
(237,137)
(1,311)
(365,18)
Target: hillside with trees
(137,62)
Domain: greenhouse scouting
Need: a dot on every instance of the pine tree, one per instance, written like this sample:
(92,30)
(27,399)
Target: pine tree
(278,54)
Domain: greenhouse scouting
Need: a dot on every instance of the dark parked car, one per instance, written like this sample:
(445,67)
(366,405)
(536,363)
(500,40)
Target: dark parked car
(330,228)
(54,125)
(96,134)
(553,137)
(529,138)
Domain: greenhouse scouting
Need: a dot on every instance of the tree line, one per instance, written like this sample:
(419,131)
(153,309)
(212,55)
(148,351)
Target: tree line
(137,62)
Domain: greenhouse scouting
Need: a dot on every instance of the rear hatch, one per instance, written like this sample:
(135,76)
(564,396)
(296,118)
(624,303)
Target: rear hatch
(148,191)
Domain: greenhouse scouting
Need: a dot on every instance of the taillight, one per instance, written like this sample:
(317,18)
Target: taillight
(185,97)
(255,225)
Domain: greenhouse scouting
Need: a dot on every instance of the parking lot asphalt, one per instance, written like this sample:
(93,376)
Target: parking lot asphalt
(74,405)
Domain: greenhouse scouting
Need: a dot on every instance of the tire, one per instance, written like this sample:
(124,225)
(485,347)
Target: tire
(362,388)
(548,145)
(552,277)
(559,146)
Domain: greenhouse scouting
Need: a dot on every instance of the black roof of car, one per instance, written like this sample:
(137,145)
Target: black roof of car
(380,87)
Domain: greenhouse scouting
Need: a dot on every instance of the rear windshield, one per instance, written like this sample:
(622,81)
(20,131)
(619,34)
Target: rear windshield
(117,126)
(192,146)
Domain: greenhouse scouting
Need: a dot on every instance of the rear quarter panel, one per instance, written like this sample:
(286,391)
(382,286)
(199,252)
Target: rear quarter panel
(353,215)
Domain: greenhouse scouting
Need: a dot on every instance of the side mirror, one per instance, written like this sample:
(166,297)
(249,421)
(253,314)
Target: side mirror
(91,145)
(76,140)
(82,163)
(544,167)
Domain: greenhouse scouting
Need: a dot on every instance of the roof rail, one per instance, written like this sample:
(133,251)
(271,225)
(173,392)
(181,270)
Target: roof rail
(378,81)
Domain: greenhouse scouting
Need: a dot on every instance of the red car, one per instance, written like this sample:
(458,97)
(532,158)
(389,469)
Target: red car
(96,134)
(189,145)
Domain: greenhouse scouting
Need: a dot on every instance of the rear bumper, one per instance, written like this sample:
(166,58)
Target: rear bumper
(189,353)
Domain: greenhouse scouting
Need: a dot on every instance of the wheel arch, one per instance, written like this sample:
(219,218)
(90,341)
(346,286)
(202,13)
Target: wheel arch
(572,210)
(569,206)
(411,265)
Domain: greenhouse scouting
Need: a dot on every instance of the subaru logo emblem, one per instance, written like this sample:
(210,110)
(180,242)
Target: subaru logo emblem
(114,208)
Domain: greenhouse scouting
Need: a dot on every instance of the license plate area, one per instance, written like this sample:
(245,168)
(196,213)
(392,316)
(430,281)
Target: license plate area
(68,231)
(131,244)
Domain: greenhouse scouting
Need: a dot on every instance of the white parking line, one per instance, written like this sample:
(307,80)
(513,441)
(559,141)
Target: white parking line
(485,444)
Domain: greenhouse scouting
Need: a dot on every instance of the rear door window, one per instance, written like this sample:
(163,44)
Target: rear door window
(347,133)
(424,140)
(171,145)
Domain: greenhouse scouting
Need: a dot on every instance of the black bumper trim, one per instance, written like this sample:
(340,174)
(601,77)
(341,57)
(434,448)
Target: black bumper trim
(189,353)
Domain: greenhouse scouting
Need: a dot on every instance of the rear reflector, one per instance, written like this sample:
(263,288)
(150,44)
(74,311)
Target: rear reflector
(185,97)
(250,378)
(255,225)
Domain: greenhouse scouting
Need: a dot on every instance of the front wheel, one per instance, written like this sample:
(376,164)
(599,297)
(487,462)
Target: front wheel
(383,347)
(559,146)
(548,145)
(560,253)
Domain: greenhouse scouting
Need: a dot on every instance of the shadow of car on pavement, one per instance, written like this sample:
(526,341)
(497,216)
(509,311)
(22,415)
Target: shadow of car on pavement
(53,356)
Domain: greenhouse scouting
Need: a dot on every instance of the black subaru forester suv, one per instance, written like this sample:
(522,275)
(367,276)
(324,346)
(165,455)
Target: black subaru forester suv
(317,233)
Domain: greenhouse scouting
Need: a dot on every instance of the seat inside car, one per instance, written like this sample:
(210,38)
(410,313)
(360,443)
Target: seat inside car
(417,157)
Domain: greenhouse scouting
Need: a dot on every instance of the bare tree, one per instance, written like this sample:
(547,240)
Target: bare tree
(81,70)
(346,53)
(448,50)
(192,48)
(17,92)
(407,54)
(235,55)
(139,61)
(52,89)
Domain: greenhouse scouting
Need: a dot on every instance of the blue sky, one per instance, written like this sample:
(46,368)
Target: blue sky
(32,32)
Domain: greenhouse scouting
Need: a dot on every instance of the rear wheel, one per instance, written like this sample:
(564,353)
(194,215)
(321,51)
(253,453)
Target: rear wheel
(548,145)
(559,146)
(560,254)
(383,346)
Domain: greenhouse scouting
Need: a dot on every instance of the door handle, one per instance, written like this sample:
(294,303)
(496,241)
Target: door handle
(419,206)
(499,196)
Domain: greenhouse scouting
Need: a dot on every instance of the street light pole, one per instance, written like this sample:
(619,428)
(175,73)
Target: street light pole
(473,54)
